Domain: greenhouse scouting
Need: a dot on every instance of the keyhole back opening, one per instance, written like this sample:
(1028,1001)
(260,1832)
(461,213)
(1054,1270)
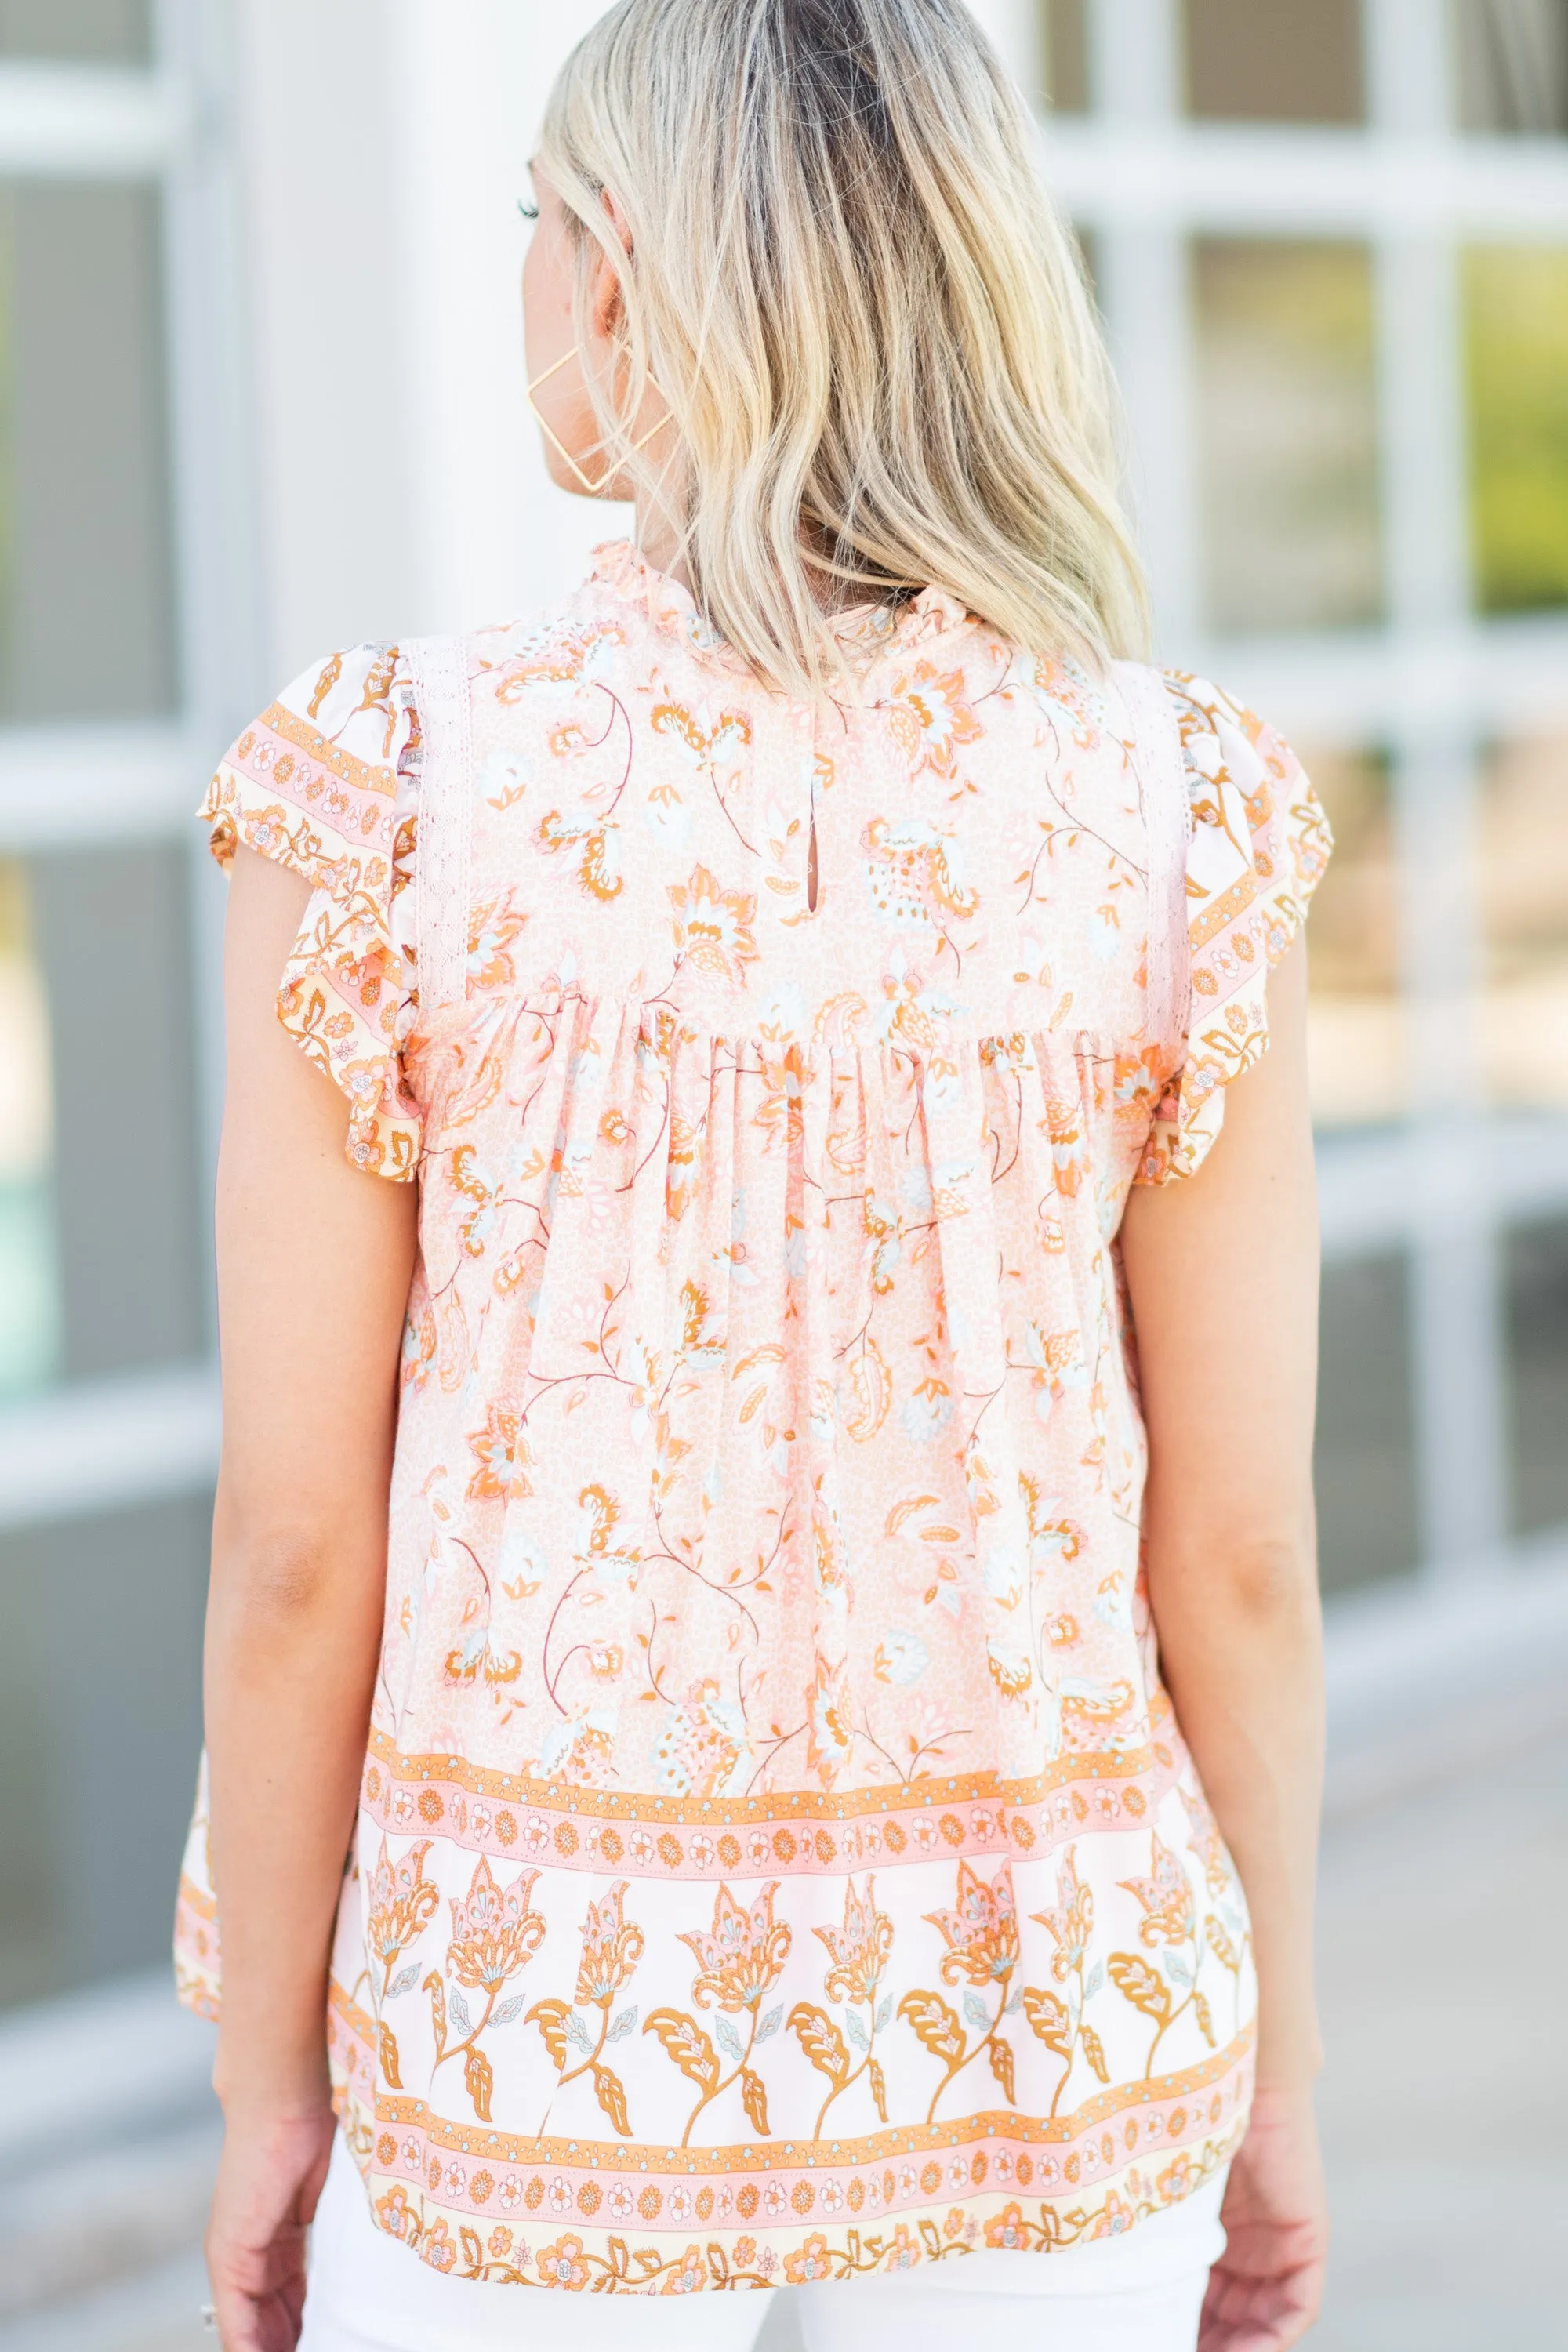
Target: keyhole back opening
(811,867)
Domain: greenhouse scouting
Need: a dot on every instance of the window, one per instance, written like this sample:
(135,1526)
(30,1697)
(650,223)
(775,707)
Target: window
(95,32)
(1288,434)
(1365,1462)
(1066,54)
(1275,60)
(29,1306)
(1537,1264)
(1511,66)
(1516,354)
(112,931)
(1347,384)
(1358,1038)
(99,1726)
(87,627)
(1523,828)
(112,537)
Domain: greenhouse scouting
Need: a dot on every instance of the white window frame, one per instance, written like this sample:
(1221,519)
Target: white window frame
(1430,684)
(154,1433)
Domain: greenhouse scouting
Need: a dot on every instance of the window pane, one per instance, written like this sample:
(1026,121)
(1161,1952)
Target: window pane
(1288,431)
(1365,1462)
(1511,61)
(1066,54)
(113,931)
(1357,1033)
(1517,353)
(99,1729)
(1523,818)
(101,32)
(1538,1334)
(1275,60)
(29,1319)
(86,603)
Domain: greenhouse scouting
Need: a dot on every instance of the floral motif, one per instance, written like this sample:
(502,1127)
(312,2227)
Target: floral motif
(829,1738)
(740,1956)
(612,1947)
(859,1951)
(494,1932)
(930,719)
(494,929)
(402,1901)
(860,1948)
(501,1457)
(914,873)
(1166,1897)
(980,1931)
(714,926)
(1071,1923)
(563,2265)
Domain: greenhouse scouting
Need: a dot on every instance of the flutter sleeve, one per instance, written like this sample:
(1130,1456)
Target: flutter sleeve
(326,782)
(1259,842)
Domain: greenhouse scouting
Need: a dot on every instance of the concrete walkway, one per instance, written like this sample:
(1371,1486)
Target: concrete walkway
(1445,1933)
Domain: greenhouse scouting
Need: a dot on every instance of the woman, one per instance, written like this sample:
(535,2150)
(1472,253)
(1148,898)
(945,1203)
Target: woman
(820,1288)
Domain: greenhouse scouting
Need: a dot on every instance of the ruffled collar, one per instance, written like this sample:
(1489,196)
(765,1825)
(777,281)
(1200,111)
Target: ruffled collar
(865,633)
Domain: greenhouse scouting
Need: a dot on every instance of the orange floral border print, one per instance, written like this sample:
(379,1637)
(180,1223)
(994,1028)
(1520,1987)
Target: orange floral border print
(613,2217)
(783,1832)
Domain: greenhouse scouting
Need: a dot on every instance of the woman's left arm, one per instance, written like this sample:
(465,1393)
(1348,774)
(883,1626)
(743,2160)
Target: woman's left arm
(314,1263)
(1222,1271)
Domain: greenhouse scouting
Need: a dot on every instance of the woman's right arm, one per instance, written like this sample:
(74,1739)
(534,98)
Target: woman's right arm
(1222,1269)
(314,1263)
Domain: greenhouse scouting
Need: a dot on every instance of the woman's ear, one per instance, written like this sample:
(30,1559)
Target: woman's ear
(605,302)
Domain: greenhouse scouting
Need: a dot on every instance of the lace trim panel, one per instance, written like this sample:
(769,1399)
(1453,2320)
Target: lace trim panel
(1162,777)
(440,671)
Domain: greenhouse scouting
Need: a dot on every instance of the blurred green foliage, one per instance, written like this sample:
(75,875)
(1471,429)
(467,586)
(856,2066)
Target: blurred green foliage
(1516,336)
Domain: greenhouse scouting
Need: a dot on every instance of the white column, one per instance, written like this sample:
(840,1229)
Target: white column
(1135,69)
(1135,86)
(401,486)
(492,535)
(1409,51)
(1457,1337)
(330,323)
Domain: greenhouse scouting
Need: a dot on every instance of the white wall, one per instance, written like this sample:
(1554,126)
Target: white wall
(385,150)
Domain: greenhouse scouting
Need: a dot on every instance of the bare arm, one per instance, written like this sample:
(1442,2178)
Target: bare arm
(314,1263)
(1223,1275)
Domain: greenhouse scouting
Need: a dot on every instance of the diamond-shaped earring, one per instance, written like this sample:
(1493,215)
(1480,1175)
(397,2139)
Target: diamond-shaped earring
(560,448)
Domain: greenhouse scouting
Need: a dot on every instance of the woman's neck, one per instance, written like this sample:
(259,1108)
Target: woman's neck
(659,544)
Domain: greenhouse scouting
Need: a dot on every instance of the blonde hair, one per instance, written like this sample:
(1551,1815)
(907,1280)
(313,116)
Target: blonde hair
(869,326)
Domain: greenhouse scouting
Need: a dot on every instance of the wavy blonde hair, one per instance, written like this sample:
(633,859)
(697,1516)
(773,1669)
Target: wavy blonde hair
(869,324)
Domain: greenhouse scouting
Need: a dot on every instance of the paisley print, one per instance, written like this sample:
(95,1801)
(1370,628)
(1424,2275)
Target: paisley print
(777,1856)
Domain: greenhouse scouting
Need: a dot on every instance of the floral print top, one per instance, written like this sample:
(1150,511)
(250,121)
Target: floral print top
(777,1857)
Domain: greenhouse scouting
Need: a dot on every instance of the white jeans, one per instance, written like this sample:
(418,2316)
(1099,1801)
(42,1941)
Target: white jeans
(1139,2293)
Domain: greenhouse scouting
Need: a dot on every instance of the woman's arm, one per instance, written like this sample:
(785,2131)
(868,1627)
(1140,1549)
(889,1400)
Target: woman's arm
(314,1263)
(1223,1275)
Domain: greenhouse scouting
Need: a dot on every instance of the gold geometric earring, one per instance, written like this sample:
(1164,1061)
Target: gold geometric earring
(560,448)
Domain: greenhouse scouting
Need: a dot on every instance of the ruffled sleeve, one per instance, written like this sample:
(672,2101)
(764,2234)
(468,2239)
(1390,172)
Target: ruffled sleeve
(1259,844)
(326,782)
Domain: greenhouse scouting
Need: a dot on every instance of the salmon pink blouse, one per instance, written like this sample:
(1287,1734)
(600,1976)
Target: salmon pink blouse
(777,1857)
